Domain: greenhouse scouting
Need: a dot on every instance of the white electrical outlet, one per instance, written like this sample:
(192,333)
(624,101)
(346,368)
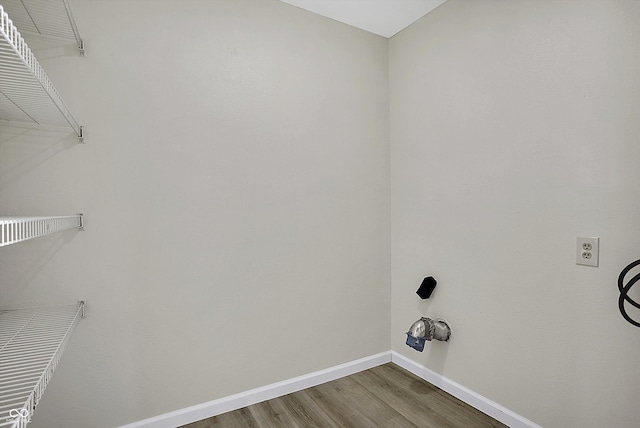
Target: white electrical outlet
(587,250)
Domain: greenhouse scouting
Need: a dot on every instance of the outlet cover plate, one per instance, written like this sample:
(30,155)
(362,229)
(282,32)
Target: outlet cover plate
(587,251)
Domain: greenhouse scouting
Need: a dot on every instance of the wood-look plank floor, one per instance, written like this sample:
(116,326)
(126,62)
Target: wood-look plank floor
(384,396)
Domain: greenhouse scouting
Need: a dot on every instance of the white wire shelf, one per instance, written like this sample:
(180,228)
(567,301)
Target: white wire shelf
(32,342)
(47,18)
(26,93)
(18,229)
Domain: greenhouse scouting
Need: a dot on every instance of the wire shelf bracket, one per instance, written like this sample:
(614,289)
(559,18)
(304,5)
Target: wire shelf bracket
(18,229)
(32,342)
(26,93)
(74,28)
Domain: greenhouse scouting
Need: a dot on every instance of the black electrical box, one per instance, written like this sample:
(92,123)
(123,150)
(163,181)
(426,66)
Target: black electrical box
(426,288)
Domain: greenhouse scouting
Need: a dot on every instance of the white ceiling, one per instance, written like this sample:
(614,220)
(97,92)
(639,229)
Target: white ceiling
(383,17)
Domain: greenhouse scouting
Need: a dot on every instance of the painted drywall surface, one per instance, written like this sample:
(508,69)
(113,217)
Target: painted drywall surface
(235,182)
(514,129)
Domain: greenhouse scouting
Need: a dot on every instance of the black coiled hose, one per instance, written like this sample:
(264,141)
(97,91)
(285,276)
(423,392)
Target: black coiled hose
(624,292)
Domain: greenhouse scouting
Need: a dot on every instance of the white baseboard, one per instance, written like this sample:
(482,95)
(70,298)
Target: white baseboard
(243,399)
(473,399)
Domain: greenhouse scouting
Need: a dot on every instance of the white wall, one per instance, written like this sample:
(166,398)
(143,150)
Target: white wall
(235,183)
(514,129)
